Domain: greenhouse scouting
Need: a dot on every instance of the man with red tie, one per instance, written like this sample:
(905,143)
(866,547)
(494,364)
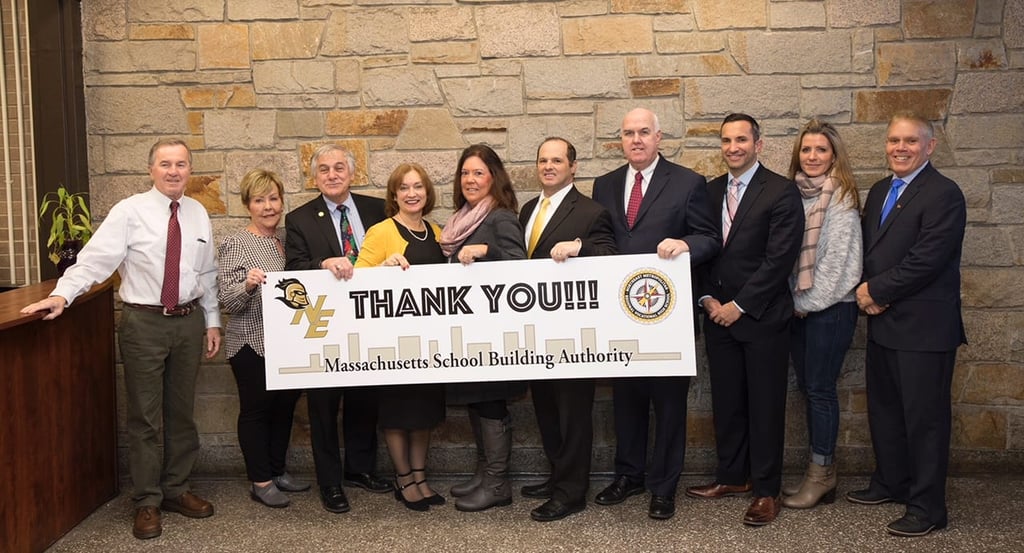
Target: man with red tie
(161,244)
(656,207)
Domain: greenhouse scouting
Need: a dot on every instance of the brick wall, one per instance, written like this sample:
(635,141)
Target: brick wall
(257,82)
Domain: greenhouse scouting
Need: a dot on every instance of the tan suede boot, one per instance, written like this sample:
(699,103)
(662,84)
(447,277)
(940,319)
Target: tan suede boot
(819,487)
(794,487)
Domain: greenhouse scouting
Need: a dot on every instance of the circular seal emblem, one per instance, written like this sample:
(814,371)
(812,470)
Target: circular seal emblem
(647,296)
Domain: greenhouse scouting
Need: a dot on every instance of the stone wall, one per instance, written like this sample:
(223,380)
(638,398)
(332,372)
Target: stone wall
(258,82)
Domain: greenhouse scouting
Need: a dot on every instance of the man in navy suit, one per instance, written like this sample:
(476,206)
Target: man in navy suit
(656,207)
(559,224)
(747,303)
(314,241)
(913,233)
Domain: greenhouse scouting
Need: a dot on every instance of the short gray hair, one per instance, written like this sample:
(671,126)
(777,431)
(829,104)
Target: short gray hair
(327,148)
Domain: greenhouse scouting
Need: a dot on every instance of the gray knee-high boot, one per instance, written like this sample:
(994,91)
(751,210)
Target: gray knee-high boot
(464,488)
(495,489)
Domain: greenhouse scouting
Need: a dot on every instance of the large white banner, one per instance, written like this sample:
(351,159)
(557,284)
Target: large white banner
(612,316)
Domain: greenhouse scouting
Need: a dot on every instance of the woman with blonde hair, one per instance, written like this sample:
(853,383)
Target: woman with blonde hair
(825,310)
(265,416)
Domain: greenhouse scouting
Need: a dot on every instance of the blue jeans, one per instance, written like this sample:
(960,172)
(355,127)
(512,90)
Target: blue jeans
(819,344)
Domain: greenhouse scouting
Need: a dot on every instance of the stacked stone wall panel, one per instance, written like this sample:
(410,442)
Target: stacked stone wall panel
(252,83)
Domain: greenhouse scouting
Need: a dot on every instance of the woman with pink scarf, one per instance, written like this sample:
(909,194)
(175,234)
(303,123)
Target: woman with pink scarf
(825,310)
(484,227)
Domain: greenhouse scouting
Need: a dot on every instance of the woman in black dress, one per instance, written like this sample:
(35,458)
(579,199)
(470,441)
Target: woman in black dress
(407,413)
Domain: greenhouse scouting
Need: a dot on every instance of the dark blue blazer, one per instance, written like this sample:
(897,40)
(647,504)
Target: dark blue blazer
(912,264)
(675,206)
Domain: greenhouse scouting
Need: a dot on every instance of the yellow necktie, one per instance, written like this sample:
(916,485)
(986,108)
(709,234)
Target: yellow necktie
(538,226)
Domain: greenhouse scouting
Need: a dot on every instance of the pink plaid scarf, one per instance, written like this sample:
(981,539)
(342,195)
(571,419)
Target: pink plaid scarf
(821,187)
(463,223)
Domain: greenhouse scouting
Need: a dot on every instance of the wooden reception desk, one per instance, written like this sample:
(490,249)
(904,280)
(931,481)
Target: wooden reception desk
(58,416)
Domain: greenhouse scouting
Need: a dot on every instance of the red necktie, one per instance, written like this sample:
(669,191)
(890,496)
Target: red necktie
(636,195)
(169,292)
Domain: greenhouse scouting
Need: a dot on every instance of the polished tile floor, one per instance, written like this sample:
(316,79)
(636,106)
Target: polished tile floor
(986,514)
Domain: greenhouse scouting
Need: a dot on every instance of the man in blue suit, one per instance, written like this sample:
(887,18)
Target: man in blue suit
(913,233)
(656,207)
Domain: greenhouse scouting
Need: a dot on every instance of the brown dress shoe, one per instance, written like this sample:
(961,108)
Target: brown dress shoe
(716,490)
(762,511)
(147,523)
(188,504)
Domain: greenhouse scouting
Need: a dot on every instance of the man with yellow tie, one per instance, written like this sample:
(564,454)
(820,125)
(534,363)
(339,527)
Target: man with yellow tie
(559,224)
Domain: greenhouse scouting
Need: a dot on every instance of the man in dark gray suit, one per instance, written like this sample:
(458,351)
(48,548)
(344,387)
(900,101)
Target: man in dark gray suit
(913,236)
(325,233)
(656,207)
(559,224)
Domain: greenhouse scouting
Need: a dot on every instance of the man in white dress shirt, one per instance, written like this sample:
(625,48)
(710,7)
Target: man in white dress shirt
(168,308)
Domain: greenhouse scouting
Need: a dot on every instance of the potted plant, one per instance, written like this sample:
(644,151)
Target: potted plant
(70,225)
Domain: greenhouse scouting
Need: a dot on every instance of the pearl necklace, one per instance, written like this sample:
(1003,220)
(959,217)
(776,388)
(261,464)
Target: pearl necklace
(426,232)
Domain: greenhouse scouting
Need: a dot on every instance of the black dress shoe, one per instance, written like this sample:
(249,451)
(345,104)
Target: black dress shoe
(367,482)
(618,491)
(913,526)
(538,491)
(868,496)
(662,507)
(334,500)
(554,509)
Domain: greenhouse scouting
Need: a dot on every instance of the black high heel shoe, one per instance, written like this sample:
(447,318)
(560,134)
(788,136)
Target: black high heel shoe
(420,505)
(436,498)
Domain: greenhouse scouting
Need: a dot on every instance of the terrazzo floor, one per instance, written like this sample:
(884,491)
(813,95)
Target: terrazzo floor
(986,514)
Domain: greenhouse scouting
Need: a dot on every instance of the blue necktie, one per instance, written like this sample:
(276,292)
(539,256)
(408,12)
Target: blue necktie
(890,200)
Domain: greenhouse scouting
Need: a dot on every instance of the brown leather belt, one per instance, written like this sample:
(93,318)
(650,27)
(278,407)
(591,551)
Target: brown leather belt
(178,311)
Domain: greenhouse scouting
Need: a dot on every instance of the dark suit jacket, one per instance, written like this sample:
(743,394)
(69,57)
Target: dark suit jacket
(576,217)
(912,264)
(675,206)
(755,263)
(311,234)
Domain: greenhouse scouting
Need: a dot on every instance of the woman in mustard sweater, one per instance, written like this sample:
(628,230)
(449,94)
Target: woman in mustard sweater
(408,413)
